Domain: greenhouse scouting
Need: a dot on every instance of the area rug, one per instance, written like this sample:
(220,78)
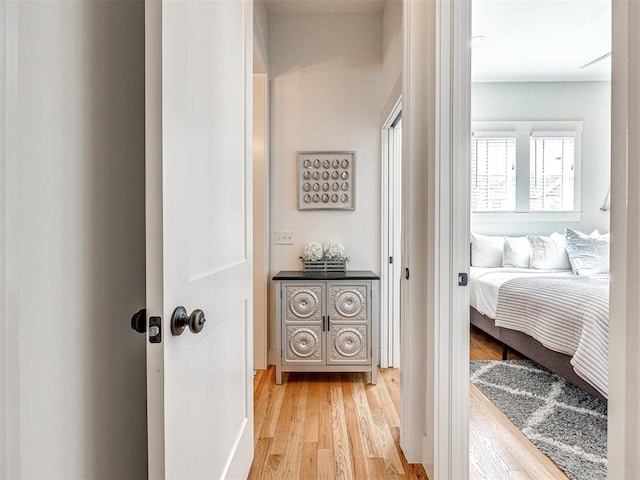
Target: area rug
(564,422)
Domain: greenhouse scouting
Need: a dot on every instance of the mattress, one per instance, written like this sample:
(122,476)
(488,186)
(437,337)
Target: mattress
(564,312)
(484,284)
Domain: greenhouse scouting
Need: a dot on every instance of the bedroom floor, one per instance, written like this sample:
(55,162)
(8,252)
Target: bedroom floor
(497,449)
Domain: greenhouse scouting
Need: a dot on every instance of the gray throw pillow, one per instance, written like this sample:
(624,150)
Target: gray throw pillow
(587,254)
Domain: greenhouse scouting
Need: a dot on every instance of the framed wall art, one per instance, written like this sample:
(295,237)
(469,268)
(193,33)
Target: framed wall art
(326,180)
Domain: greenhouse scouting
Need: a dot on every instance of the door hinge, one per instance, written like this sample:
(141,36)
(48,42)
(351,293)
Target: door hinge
(463,279)
(155,329)
(390,259)
(406,273)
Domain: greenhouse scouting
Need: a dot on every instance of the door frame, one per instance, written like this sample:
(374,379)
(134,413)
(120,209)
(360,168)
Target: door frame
(390,242)
(261,247)
(4,343)
(153,247)
(436,129)
(10,449)
(624,332)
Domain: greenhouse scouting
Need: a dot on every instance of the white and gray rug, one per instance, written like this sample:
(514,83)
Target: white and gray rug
(567,424)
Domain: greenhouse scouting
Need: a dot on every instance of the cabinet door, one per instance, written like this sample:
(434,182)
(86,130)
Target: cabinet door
(302,336)
(349,335)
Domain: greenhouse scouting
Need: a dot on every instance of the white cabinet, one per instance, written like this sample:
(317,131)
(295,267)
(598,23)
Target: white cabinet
(327,322)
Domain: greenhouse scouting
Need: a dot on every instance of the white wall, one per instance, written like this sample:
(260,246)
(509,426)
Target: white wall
(392,54)
(75,241)
(589,102)
(325,95)
(326,81)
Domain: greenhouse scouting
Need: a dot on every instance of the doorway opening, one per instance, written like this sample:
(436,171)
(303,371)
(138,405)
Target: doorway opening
(333,68)
(540,169)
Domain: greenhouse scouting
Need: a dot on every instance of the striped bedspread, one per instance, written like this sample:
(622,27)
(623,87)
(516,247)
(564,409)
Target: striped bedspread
(566,314)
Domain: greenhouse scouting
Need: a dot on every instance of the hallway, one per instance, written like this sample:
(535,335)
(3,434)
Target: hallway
(325,426)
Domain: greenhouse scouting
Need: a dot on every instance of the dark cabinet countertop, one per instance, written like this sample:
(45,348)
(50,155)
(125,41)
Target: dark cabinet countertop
(348,275)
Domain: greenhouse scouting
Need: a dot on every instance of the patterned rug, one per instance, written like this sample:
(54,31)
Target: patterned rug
(567,424)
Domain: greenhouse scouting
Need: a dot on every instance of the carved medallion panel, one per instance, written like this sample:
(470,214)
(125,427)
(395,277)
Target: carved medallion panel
(304,304)
(349,344)
(303,344)
(348,303)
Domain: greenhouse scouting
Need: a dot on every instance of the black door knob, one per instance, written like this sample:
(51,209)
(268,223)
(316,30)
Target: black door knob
(180,320)
(139,321)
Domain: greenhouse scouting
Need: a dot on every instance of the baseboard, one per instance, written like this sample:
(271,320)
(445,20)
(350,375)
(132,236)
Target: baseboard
(271,356)
(426,456)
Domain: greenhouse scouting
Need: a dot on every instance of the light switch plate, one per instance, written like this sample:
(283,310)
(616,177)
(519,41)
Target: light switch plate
(284,238)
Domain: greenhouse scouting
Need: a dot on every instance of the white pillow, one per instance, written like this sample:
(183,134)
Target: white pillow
(588,254)
(486,251)
(516,252)
(549,253)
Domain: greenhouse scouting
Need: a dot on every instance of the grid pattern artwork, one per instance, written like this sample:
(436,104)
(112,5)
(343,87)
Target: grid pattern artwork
(326,180)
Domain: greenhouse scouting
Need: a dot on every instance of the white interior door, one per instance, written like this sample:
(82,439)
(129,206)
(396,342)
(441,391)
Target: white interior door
(392,235)
(198,195)
(395,240)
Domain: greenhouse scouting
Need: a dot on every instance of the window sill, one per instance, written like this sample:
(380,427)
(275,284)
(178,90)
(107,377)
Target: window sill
(529,217)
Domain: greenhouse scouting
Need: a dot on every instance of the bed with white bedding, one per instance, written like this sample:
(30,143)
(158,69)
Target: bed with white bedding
(554,317)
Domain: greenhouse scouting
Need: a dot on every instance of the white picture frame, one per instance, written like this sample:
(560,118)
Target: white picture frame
(326,180)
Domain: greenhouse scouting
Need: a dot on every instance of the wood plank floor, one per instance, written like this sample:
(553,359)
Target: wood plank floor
(497,449)
(329,426)
(484,347)
(336,426)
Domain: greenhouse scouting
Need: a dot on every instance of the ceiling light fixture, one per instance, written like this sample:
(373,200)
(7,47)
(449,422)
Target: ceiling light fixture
(477,40)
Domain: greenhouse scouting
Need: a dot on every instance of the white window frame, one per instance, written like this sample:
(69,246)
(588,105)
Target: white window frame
(499,134)
(523,131)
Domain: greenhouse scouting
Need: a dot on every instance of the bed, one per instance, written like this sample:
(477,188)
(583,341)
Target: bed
(556,318)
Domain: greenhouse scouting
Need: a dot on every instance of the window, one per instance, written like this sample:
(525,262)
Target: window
(551,166)
(525,167)
(493,173)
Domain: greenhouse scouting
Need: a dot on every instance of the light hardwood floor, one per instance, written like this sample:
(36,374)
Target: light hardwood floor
(484,347)
(336,426)
(497,449)
(326,426)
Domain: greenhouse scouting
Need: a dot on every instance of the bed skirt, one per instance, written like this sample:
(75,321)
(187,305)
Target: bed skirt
(558,363)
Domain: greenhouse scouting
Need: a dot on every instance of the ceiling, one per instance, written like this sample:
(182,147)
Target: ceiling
(526,40)
(325,6)
(541,40)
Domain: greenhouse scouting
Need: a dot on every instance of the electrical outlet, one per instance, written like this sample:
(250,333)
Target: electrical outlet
(284,238)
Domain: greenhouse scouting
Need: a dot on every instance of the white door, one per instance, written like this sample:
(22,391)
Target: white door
(198,215)
(392,232)
(395,241)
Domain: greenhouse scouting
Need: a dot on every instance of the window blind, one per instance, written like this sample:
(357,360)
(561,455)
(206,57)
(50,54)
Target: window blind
(552,172)
(493,173)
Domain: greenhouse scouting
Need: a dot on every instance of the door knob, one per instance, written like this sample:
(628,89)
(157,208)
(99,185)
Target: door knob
(139,321)
(180,320)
